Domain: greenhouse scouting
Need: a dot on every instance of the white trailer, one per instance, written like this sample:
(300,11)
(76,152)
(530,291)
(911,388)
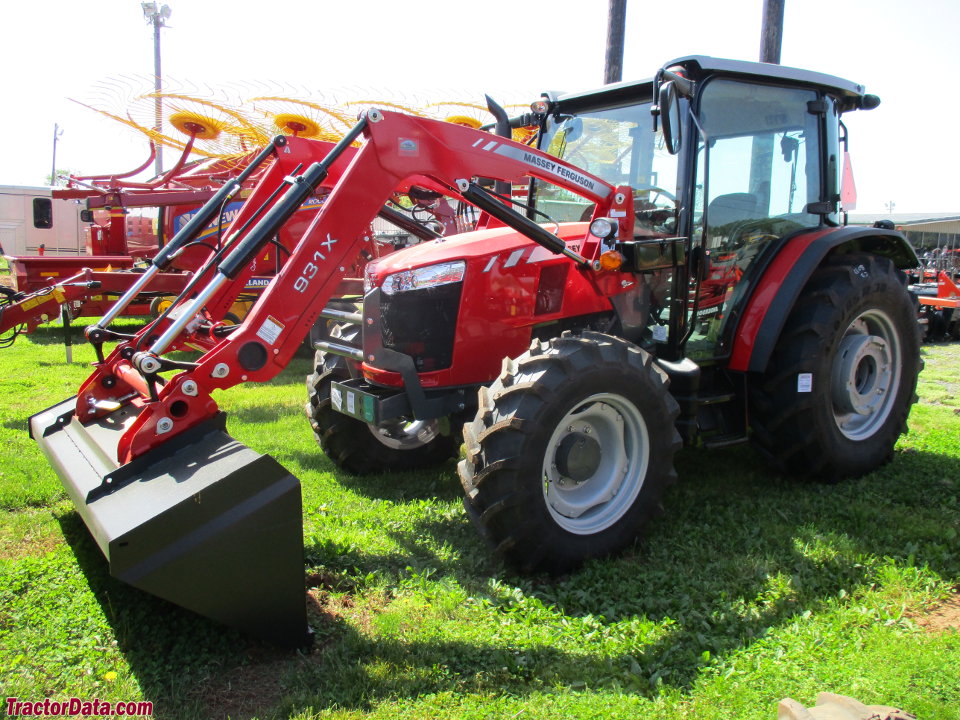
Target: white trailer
(30,217)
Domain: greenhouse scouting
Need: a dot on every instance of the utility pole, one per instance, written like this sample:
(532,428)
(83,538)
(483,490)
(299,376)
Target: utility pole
(771,31)
(57,132)
(616,23)
(157,17)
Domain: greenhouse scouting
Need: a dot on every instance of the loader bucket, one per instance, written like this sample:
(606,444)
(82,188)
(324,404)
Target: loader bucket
(202,521)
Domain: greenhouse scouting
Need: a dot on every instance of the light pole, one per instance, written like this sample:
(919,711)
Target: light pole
(771,31)
(157,17)
(616,24)
(57,132)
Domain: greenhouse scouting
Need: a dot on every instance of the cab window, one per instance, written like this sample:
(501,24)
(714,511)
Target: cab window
(758,171)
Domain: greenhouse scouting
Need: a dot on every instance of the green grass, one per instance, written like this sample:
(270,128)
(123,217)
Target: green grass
(750,588)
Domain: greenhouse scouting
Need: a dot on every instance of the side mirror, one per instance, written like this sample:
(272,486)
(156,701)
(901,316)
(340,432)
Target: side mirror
(86,216)
(670,117)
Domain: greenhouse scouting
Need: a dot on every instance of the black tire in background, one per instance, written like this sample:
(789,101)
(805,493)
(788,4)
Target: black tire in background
(361,448)
(570,452)
(841,381)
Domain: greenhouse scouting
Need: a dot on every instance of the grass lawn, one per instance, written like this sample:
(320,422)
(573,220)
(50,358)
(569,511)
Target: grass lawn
(750,588)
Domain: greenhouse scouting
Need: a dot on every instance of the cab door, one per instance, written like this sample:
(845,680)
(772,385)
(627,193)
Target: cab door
(758,181)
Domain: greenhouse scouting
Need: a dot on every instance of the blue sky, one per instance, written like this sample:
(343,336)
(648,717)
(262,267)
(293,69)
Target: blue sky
(53,50)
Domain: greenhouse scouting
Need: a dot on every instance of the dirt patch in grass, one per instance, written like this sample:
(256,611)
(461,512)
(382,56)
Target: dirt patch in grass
(28,533)
(247,690)
(333,599)
(256,685)
(35,545)
(944,617)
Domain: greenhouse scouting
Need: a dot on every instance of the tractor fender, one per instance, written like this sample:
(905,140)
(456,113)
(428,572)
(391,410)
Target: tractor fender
(783,279)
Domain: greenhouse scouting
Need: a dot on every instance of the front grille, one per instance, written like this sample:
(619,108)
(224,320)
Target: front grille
(422,324)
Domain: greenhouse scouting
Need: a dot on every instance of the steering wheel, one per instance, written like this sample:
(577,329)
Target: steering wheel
(652,215)
(655,189)
(649,215)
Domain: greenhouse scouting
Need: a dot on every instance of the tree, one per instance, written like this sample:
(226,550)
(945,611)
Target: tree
(61,178)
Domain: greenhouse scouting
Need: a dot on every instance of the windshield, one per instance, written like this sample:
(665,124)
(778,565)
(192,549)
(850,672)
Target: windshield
(618,145)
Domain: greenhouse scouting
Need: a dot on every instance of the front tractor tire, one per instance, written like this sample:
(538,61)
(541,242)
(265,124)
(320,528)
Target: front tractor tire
(843,376)
(362,448)
(570,452)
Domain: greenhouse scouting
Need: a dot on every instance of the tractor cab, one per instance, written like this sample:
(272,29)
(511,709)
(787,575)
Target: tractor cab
(729,162)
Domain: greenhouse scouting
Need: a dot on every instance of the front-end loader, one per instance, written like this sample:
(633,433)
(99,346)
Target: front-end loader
(178,507)
(569,337)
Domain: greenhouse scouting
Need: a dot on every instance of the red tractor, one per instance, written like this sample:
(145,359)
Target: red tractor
(732,302)
(681,273)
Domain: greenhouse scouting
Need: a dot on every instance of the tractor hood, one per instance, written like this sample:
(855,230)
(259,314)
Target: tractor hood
(493,245)
(442,301)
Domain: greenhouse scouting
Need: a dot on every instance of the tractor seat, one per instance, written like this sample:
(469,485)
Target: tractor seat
(732,208)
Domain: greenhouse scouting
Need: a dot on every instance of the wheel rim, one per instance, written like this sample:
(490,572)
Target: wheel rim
(595,464)
(401,435)
(866,375)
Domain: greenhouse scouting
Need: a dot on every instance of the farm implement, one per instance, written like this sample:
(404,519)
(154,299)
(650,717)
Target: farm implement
(563,339)
(939,307)
(119,249)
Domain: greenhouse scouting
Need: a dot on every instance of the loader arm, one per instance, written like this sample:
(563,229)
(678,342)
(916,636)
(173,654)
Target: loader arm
(396,148)
(177,506)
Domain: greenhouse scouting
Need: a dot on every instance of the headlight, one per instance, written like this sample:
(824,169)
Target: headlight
(425,277)
(541,106)
(604,228)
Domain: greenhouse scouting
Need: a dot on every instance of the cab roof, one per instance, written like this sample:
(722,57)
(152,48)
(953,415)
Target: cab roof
(700,66)
(703,65)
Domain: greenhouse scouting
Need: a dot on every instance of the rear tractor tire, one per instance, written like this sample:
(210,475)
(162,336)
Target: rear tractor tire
(843,376)
(362,448)
(570,452)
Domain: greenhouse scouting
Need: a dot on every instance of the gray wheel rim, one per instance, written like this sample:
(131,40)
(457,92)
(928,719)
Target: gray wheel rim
(593,504)
(402,435)
(866,375)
